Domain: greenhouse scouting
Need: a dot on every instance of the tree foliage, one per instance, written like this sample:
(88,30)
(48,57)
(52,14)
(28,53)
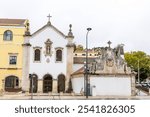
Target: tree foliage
(132,59)
(79,48)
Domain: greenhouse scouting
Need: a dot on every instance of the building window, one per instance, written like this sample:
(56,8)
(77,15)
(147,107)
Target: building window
(8,35)
(13,60)
(11,82)
(58,55)
(37,55)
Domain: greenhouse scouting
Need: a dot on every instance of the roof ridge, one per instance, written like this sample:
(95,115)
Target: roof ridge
(49,25)
(80,70)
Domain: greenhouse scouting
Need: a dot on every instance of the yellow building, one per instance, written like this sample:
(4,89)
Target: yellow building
(12,32)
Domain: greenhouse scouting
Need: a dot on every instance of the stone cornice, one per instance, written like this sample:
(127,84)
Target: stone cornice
(11,68)
(104,74)
(70,45)
(26,44)
(70,36)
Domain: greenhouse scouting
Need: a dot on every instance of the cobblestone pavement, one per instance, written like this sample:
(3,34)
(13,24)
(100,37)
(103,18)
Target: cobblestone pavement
(21,96)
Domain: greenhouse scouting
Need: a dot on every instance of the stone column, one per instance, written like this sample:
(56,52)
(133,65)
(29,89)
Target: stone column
(69,65)
(70,49)
(54,86)
(26,65)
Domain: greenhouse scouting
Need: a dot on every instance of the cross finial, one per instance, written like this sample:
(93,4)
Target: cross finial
(70,27)
(109,43)
(70,30)
(49,16)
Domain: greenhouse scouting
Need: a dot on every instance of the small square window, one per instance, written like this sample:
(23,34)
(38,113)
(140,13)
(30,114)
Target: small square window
(13,60)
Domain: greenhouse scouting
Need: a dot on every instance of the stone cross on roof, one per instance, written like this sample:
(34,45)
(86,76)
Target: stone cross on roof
(70,27)
(109,43)
(49,16)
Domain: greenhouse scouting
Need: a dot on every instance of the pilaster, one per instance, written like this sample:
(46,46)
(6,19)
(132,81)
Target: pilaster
(40,86)
(70,49)
(54,86)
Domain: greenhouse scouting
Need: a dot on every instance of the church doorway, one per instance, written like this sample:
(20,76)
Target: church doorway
(61,83)
(47,83)
(34,84)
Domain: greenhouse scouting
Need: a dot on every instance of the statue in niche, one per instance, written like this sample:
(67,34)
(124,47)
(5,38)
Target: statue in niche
(48,48)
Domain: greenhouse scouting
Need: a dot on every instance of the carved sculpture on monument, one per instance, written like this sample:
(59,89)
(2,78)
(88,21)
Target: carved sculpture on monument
(110,61)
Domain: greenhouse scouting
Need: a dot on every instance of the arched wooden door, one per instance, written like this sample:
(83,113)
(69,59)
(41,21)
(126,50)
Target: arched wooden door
(47,83)
(61,83)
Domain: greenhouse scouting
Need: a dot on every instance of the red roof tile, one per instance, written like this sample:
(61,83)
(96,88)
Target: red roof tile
(12,22)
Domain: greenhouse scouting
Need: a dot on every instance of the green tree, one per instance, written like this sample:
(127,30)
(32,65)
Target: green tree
(132,59)
(79,48)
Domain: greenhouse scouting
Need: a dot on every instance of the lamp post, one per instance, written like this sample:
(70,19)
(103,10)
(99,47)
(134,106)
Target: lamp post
(31,80)
(84,78)
(138,71)
(86,70)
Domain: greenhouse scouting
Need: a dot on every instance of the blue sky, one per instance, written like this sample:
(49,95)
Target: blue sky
(120,21)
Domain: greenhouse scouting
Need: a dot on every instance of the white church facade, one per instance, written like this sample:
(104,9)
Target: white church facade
(49,65)
(48,59)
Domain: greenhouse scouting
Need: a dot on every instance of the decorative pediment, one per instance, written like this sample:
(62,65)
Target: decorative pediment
(49,25)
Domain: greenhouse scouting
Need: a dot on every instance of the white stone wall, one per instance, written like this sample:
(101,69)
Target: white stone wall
(53,68)
(105,85)
(77,84)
